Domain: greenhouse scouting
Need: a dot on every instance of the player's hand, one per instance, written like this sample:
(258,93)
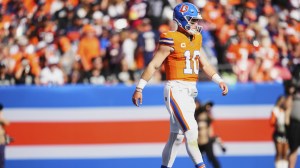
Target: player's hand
(137,98)
(224,88)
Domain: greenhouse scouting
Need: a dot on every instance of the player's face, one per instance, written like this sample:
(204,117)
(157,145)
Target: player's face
(196,24)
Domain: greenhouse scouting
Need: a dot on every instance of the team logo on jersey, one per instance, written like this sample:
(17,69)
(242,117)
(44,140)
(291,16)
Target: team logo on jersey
(184,8)
(182,45)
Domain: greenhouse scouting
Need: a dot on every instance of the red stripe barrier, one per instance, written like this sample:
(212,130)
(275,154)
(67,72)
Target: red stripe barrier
(244,130)
(59,133)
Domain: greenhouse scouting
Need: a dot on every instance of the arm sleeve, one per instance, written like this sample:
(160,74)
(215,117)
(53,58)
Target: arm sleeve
(164,39)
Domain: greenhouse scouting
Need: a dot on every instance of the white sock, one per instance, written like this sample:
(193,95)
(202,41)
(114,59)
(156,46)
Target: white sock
(192,148)
(284,164)
(277,164)
(170,151)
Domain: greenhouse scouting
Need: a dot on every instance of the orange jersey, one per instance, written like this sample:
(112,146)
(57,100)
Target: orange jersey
(183,62)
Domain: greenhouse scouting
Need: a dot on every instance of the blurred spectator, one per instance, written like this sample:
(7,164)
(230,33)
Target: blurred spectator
(96,75)
(104,40)
(116,8)
(67,54)
(206,137)
(268,53)
(147,41)
(129,46)
(63,15)
(24,75)
(88,47)
(114,56)
(250,12)
(155,12)
(240,54)
(52,74)
(209,106)
(76,76)
(125,76)
(97,22)
(6,59)
(258,74)
(137,10)
(293,129)
(213,12)
(5,79)
(278,119)
(22,53)
(208,46)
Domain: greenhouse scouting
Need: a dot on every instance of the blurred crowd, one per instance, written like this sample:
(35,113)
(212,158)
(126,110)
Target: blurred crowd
(57,42)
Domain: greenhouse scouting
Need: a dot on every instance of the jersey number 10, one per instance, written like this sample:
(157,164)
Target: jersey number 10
(189,62)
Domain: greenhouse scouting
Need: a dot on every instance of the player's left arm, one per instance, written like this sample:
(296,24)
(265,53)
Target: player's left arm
(214,76)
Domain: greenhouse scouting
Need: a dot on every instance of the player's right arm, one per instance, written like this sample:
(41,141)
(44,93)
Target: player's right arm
(160,55)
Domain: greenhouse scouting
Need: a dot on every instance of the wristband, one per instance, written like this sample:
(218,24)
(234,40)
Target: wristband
(217,78)
(142,83)
(139,89)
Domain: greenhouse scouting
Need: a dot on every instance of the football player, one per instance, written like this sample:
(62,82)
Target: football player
(180,52)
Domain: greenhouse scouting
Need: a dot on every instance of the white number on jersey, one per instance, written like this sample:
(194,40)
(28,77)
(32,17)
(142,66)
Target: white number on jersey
(189,61)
